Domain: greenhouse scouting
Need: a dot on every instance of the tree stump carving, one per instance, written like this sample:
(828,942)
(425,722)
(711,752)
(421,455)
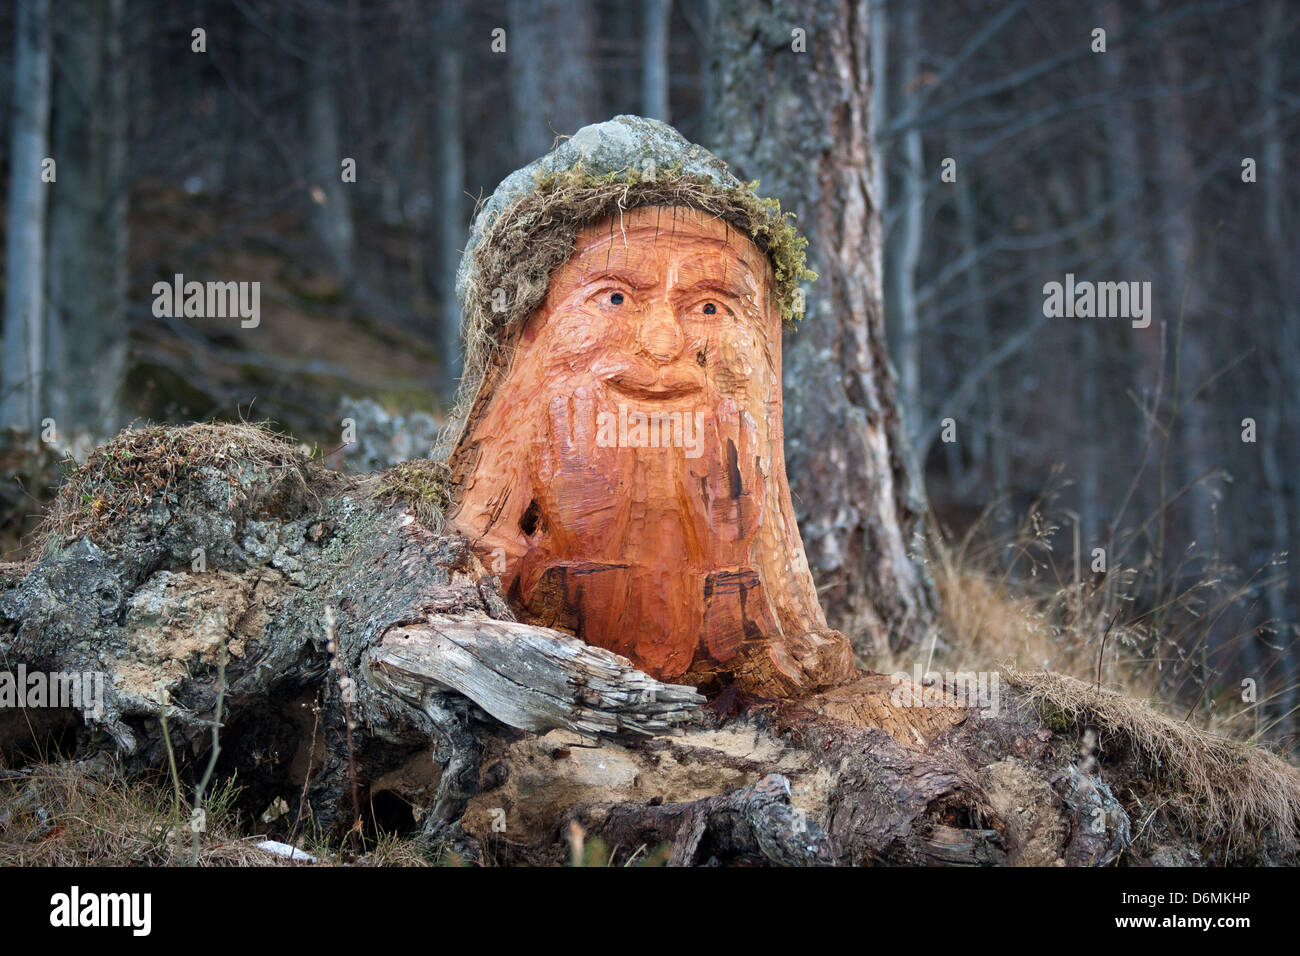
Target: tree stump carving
(627,477)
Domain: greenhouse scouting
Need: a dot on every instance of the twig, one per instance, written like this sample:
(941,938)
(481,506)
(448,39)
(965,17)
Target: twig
(1101,653)
(212,758)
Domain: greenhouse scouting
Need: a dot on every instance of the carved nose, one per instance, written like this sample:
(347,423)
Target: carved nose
(660,335)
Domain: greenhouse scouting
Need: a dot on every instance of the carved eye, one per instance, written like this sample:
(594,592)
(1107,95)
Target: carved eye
(609,296)
(713,309)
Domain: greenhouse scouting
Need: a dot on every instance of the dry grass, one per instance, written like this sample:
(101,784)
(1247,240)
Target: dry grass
(126,473)
(69,814)
(1087,651)
(1022,601)
(65,814)
(1215,786)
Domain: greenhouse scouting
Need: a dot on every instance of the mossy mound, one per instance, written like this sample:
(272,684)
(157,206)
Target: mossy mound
(424,486)
(162,463)
(1206,784)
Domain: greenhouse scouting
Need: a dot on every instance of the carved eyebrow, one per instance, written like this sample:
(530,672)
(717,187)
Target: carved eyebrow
(631,279)
(707,263)
(720,286)
(728,283)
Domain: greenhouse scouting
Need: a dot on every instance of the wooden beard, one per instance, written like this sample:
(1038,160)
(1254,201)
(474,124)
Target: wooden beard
(626,475)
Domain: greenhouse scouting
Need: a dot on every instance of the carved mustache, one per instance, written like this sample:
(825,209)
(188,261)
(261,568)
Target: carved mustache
(642,379)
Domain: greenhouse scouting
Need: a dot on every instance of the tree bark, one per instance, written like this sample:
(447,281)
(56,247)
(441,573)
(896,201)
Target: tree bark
(806,133)
(21,391)
(88,223)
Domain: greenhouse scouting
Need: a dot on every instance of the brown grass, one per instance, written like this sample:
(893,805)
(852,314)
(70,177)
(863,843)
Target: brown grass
(68,814)
(1023,601)
(1214,785)
(62,814)
(1087,656)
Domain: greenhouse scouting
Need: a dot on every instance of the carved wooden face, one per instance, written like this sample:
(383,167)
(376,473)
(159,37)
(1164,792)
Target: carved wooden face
(629,482)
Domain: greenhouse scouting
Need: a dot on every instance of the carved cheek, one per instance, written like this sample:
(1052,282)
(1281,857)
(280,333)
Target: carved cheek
(574,331)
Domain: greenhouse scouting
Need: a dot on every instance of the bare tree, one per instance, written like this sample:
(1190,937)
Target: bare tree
(24,326)
(332,211)
(903,239)
(654,58)
(553,79)
(451,184)
(88,221)
(806,133)
(1279,459)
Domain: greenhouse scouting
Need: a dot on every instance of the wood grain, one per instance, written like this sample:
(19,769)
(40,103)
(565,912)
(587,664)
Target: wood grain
(627,478)
(532,678)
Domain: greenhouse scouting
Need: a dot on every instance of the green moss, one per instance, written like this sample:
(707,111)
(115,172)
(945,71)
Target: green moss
(570,195)
(425,487)
(1056,719)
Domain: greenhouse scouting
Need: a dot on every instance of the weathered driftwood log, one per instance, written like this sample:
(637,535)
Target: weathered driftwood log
(528,677)
(176,549)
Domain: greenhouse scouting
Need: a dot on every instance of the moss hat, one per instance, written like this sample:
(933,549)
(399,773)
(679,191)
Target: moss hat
(529,225)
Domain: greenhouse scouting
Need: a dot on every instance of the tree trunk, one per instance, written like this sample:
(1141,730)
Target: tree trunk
(806,133)
(903,242)
(451,189)
(88,226)
(331,210)
(21,393)
(1280,459)
(657,14)
(1198,439)
(1127,190)
(553,87)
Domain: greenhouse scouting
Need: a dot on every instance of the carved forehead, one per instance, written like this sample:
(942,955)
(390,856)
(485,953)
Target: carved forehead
(647,238)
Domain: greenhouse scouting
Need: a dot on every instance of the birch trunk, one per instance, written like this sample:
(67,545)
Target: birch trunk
(21,392)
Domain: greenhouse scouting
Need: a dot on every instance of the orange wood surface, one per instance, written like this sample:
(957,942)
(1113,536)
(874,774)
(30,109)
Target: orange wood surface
(626,471)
